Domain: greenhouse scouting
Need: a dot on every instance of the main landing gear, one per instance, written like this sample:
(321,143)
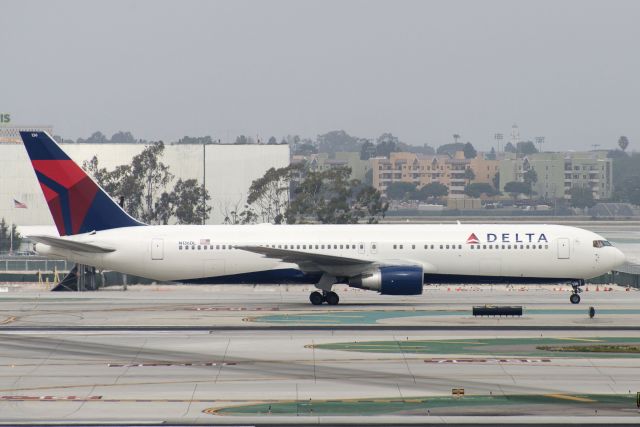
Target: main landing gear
(329,297)
(575,296)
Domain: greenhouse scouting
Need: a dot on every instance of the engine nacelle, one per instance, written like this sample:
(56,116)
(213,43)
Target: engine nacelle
(394,280)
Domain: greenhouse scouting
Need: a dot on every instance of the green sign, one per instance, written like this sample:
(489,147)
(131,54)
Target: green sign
(5,118)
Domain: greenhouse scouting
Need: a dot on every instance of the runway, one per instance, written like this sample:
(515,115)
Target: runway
(216,355)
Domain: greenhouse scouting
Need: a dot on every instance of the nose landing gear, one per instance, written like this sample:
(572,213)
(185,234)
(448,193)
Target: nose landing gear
(575,296)
(329,297)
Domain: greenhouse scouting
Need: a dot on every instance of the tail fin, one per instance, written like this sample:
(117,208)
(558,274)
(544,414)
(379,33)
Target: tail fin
(77,204)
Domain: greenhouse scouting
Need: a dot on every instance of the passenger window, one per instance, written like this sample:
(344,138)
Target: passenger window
(335,246)
(490,246)
(340,246)
(224,246)
(180,247)
(441,247)
(459,246)
(447,247)
(186,248)
(413,246)
(426,246)
(394,246)
(193,247)
(431,246)
(484,246)
(322,246)
(401,246)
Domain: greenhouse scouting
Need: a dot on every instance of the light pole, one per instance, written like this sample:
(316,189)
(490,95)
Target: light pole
(498,137)
(539,141)
(204,179)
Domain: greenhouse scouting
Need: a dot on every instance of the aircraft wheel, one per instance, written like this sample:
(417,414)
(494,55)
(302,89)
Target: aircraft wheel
(332,298)
(316,298)
(574,298)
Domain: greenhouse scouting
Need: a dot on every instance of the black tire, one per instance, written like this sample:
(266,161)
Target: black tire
(332,298)
(316,298)
(574,298)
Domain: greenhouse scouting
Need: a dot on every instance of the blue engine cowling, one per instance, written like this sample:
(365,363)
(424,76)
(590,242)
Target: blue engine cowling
(393,280)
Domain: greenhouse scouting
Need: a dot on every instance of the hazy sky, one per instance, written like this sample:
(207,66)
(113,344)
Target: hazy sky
(423,70)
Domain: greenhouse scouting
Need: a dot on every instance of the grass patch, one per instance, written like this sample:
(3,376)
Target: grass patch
(598,348)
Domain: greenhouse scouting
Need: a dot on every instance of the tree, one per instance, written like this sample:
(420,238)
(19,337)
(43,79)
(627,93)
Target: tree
(270,193)
(469,175)
(629,190)
(200,140)
(469,151)
(123,138)
(142,186)
(188,198)
(581,197)
(530,177)
(496,181)
(243,140)
(95,138)
(305,149)
(330,197)
(456,137)
(433,190)
(478,189)
(450,149)
(272,141)
(6,236)
(400,190)
(337,140)
(526,147)
(367,150)
(386,144)
(510,148)
(153,176)
(623,143)
(492,154)
(368,204)
(514,188)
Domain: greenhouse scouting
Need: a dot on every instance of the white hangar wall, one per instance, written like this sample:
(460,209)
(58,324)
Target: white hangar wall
(230,170)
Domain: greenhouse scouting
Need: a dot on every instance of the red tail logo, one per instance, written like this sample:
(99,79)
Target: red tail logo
(473,239)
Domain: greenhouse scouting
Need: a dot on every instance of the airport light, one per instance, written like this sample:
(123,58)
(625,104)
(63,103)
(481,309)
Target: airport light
(498,137)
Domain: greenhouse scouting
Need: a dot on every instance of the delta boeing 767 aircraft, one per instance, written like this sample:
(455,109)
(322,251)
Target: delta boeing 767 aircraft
(389,259)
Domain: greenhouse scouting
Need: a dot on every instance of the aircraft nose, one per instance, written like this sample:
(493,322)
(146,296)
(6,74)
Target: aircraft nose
(619,257)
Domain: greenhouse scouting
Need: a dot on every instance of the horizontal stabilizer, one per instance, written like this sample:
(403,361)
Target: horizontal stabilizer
(70,245)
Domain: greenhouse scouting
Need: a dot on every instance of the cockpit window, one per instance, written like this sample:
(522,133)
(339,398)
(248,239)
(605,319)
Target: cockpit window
(601,243)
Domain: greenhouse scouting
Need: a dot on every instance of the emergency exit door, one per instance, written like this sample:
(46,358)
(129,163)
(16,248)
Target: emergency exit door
(563,248)
(157,249)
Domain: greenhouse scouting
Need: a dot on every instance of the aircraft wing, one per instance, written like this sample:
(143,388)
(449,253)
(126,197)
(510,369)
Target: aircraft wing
(313,261)
(70,245)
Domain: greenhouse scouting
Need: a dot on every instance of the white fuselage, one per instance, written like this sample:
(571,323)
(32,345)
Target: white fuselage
(192,252)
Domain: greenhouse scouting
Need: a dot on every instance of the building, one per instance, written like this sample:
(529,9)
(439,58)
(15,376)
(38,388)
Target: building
(421,169)
(230,170)
(557,173)
(324,161)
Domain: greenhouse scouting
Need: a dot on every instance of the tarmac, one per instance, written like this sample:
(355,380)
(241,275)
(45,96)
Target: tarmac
(242,355)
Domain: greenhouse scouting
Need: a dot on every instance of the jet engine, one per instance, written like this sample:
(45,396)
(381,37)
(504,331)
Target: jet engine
(392,280)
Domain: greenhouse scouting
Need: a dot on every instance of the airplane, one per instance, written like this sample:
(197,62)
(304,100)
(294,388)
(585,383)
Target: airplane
(391,259)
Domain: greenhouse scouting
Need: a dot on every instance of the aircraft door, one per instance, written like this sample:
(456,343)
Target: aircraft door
(157,249)
(563,248)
